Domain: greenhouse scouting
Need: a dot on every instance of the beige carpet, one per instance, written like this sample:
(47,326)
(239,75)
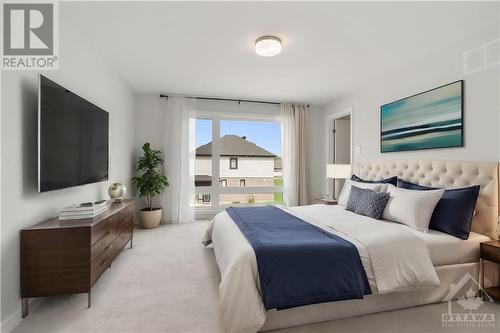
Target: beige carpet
(168,283)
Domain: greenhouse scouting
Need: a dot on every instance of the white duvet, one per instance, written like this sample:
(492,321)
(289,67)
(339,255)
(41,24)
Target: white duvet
(394,258)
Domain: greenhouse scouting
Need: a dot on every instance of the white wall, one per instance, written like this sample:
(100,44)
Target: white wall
(83,72)
(317,154)
(481,118)
(233,109)
(149,120)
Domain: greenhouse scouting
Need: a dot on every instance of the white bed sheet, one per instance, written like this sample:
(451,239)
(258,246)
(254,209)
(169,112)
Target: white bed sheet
(449,250)
(444,249)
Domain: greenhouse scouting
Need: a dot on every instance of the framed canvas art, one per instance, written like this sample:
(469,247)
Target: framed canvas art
(431,119)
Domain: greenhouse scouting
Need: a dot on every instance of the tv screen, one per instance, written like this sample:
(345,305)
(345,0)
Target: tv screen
(72,139)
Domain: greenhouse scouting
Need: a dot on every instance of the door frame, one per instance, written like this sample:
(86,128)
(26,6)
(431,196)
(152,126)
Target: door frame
(330,146)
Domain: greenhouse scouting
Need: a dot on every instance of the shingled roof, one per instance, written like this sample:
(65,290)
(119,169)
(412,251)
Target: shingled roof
(233,145)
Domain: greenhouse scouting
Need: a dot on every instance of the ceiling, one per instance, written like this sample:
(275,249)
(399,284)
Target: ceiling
(329,49)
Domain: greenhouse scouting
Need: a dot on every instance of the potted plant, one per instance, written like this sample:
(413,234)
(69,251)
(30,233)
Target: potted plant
(150,182)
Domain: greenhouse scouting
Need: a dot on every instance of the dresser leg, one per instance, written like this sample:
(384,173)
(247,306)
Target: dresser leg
(24,307)
(481,277)
(131,242)
(89,300)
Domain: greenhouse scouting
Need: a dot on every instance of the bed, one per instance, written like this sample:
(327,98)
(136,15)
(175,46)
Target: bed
(449,258)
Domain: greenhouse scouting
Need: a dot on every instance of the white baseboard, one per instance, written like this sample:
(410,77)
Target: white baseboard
(15,319)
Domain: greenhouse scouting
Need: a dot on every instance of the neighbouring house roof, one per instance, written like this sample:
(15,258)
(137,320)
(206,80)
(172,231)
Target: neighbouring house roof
(233,145)
(278,164)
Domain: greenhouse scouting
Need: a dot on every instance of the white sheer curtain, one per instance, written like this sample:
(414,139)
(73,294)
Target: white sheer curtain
(179,148)
(294,140)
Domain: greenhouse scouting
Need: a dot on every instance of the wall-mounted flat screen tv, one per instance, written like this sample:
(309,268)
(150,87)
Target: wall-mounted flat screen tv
(73,137)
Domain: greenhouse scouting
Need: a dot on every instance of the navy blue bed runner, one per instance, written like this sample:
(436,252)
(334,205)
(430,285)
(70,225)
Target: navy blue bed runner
(299,263)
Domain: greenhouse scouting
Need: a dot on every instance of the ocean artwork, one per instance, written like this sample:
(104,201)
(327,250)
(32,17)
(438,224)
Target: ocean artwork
(432,119)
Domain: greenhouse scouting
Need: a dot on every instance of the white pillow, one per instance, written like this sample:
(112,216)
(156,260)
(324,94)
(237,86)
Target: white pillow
(411,207)
(346,189)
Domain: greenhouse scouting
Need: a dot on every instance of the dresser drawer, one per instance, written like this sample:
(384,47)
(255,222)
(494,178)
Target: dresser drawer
(121,241)
(113,223)
(114,227)
(100,264)
(490,253)
(99,231)
(127,213)
(127,223)
(101,245)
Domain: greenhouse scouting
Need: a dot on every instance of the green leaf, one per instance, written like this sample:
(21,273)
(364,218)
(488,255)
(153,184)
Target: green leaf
(150,180)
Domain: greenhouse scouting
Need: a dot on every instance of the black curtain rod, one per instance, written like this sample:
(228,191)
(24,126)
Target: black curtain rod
(239,101)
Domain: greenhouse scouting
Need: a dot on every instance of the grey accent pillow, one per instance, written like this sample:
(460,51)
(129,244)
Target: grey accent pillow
(355,197)
(367,202)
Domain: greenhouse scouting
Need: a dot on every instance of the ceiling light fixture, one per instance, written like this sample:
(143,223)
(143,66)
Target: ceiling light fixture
(268,46)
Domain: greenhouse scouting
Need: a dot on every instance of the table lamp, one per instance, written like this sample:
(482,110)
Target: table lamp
(338,171)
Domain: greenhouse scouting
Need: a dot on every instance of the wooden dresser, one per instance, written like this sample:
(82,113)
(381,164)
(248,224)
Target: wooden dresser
(68,257)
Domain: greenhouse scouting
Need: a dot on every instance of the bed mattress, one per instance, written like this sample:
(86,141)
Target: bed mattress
(449,250)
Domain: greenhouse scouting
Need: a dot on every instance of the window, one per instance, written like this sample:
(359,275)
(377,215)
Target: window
(237,163)
(203,164)
(233,163)
(203,161)
(202,200)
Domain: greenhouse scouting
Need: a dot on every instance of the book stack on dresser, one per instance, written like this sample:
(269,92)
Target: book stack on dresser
(86,210)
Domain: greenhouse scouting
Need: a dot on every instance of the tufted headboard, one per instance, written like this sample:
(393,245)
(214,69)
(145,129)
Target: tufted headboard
(446,174)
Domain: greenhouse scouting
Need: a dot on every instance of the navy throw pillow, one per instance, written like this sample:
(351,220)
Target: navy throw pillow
(390,180)
(454,212)
(367,202)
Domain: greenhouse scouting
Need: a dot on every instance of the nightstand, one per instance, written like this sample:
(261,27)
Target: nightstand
(490,251)
(327,201)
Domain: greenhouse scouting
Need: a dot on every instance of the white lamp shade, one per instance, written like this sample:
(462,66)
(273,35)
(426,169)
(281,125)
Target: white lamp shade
(338,171)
